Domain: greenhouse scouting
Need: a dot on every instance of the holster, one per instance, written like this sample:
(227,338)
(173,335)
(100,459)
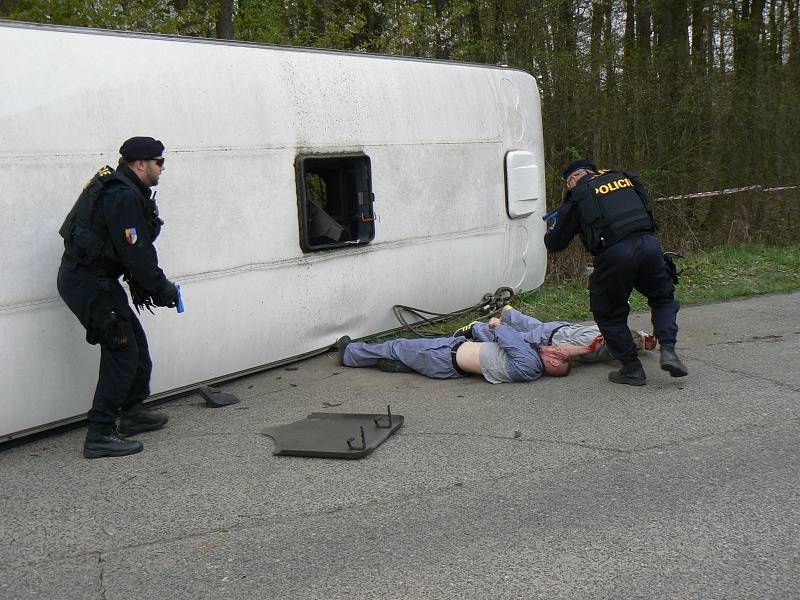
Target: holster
(671,269)
(105,324)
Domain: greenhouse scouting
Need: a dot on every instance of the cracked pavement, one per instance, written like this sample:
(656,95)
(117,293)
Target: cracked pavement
(563,488)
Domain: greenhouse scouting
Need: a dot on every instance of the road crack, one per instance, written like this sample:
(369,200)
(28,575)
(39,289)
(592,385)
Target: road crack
(776,382)
(101,575)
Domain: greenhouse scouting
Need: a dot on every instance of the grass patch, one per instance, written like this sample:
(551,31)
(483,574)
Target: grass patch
(743,271)
(712,276)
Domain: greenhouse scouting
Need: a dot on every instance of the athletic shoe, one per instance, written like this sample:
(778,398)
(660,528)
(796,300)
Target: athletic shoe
(465,331)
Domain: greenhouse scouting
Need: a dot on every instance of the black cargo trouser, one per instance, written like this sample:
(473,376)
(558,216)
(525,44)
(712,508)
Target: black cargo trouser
(125,365)
(634,262)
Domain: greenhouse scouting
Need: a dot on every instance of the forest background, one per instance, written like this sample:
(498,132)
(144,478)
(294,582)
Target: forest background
(694,95)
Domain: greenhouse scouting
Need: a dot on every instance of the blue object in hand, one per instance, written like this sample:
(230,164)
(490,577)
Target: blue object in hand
(550,216)
(179,306)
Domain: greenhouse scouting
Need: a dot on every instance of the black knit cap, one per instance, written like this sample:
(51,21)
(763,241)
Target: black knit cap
(141,148)
(581,163)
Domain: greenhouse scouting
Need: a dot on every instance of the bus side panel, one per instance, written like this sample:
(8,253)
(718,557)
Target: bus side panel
(234,119)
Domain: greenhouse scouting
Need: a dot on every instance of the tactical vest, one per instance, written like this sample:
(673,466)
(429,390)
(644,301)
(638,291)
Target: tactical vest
(83,238)
(612,206)
(84,231)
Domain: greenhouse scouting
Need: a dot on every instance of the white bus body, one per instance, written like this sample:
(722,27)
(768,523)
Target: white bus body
(457,171)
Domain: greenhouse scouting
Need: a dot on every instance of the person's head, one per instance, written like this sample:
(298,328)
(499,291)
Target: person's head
(555,362)
(145,157)
(576,170)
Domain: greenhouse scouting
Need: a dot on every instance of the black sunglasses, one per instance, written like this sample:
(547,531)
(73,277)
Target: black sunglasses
(159,161)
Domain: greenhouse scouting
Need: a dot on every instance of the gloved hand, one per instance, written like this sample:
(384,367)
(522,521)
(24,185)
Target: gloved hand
(167,296)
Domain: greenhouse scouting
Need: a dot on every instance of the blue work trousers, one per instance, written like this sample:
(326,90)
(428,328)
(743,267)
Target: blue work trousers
(431,357)
(634,262)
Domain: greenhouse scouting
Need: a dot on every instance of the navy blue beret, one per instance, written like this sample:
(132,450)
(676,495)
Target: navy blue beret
(581,163)
(141,148)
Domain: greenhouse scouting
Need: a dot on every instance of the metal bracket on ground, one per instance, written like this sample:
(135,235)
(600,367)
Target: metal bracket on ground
(334,435)
(217,398)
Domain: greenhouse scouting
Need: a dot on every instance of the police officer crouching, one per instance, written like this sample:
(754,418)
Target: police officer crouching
(109,233)
(612,213)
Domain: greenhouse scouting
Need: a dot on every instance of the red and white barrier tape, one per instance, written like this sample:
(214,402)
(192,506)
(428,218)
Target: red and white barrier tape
(780,189)
(728,191)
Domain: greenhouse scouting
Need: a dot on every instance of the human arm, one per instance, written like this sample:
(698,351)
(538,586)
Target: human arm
(563,227)
(532,329)
(483,332)
(524,362)
(131,238)
(571,350)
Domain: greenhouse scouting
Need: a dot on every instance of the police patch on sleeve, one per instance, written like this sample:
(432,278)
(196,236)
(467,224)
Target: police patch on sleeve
(130,235)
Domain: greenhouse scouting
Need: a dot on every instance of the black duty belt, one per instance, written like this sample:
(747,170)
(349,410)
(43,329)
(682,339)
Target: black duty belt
(96,268)
(453,353)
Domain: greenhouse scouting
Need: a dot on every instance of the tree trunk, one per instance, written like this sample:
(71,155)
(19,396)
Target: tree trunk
(596,41)
(644,15)
(772,34)
(672,39)
(499,43)
(794,32)
(747,37)
(225,20)
(699,33)
(629,37)
(442,48)
(565,47)
(474,20)
(609,49)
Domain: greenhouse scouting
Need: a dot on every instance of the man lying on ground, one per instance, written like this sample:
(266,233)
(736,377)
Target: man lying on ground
(501,355)
(553,333)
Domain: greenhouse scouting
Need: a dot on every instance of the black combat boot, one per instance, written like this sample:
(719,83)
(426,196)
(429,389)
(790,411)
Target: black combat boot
(670,361)
(137,419)
(102,439)
(341,346)
(631,373)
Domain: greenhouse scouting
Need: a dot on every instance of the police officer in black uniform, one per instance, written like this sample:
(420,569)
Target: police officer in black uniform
(612,213)
(109,233)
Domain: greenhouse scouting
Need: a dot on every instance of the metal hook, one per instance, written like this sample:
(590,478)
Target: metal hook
(363,441)
(379,421)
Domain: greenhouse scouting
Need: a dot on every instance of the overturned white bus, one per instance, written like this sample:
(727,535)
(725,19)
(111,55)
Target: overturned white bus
(305,193)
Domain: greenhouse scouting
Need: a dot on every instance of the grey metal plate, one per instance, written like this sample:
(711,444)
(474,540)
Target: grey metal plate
(325,435)
(217,398)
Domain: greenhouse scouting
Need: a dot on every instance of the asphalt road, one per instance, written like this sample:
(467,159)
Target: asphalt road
(564,488)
